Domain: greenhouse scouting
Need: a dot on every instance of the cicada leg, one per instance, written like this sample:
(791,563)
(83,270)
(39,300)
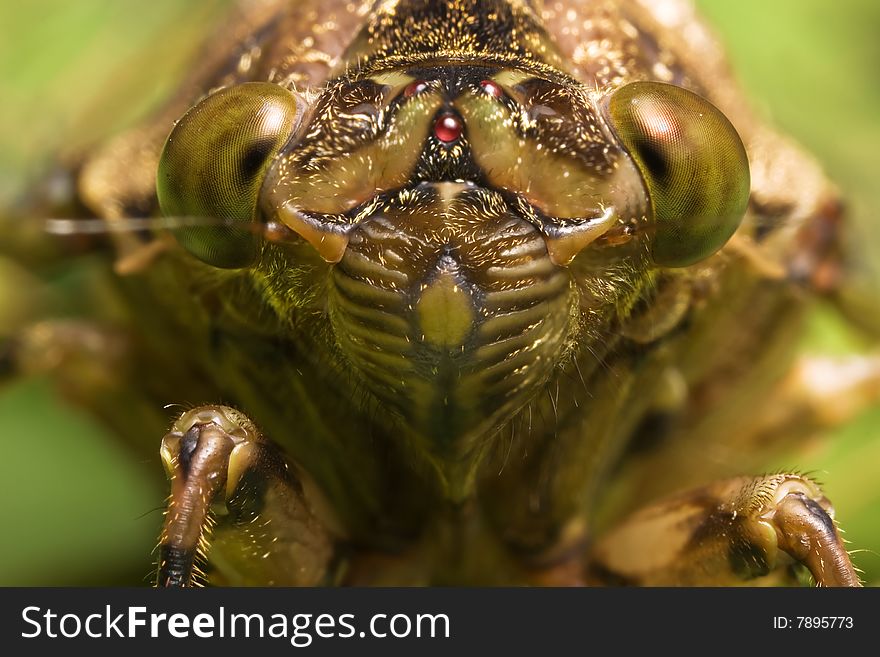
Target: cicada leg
(83,355)
(233,493)
(727,532)
(818,394)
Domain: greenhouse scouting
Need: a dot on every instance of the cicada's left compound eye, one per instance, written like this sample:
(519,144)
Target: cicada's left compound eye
(693,163)
(214,163)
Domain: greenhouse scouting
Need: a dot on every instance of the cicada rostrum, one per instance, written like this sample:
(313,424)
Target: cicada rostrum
(467,292)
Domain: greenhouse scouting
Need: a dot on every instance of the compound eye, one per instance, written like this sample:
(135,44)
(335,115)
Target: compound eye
(214,163)
(693,163)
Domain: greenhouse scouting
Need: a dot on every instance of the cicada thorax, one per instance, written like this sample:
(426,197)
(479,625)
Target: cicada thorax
(444,181)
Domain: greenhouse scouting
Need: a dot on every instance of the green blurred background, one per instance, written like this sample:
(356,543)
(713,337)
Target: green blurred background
(78,510)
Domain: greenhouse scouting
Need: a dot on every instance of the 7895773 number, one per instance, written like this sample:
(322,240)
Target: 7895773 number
(814,622)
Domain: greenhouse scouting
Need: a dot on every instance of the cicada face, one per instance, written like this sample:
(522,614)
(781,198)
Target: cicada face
(460,208)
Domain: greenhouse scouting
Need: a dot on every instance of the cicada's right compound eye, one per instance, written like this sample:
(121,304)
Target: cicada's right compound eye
(214,163)
(694,165)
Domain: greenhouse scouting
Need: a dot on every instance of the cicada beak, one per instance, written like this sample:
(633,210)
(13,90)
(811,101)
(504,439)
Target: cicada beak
(330,243)
(565,242)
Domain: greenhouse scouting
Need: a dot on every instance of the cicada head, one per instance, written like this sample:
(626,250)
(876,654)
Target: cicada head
(468,219)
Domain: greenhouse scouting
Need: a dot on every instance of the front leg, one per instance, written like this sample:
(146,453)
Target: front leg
(233,494)
(724,533)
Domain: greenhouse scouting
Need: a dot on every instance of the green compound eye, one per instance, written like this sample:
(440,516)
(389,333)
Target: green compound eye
(694,165)
(213,165)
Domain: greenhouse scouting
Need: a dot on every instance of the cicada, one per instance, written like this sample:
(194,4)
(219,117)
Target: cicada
(498,292)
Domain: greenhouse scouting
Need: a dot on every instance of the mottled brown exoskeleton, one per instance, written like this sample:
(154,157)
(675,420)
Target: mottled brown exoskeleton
(490,292)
